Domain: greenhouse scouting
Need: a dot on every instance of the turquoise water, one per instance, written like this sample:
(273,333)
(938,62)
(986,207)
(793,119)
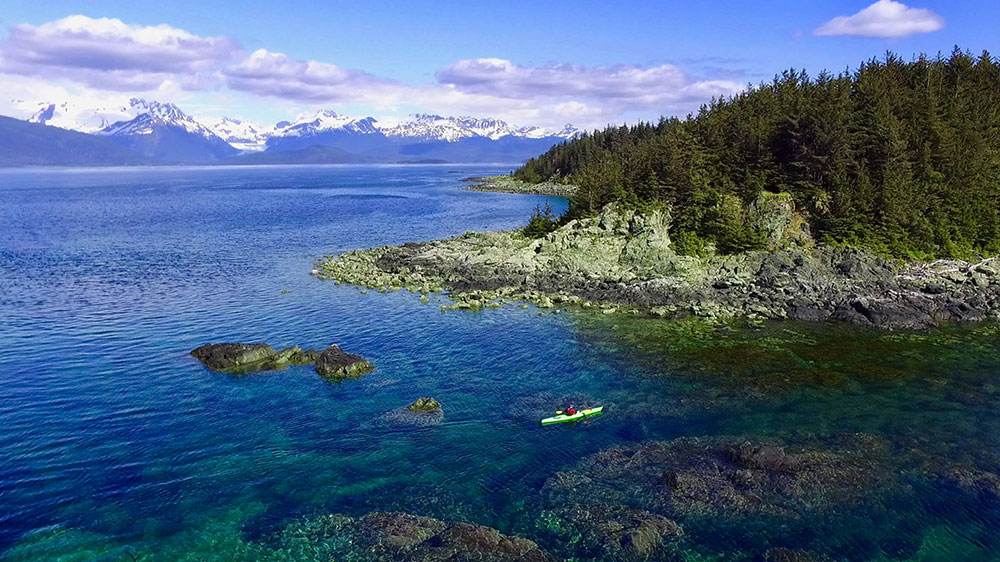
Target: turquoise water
(116,445)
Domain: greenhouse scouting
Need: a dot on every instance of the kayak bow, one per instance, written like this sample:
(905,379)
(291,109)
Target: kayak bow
(563,418)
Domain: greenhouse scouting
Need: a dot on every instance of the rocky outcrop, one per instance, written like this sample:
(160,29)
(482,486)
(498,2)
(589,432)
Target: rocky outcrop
(425,405)
(332,362)
(622,260)
(335,364)
(246,358)
(422,412)
(401,537)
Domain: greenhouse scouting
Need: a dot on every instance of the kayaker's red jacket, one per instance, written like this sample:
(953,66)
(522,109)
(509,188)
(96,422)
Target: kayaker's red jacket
(570,411)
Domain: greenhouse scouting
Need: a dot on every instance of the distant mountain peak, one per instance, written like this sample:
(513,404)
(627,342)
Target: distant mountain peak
(149,115)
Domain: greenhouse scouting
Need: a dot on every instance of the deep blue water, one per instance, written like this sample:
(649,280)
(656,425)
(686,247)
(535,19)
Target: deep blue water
(115,443)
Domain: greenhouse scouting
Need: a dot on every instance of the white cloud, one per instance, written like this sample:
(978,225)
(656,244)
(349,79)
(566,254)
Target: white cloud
(547,95)
(628,87)
(274,74)
(110,54)
(885,18)
(93,55)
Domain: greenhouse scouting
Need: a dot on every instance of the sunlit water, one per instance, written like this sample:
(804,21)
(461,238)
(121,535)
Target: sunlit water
(116,444)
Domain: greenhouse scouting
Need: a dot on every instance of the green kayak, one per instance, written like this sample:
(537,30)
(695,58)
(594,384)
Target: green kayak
(563,418)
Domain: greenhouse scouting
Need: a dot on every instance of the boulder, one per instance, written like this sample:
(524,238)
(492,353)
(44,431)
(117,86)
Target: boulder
(335,364)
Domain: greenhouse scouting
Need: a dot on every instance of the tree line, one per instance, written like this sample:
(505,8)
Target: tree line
(900,157)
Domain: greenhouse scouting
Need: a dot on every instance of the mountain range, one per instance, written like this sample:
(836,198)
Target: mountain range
(161,132)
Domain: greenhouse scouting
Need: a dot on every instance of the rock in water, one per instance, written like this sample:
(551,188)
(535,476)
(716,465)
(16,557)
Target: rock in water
(425,405)
(249,357)
(234,357)
(334,364)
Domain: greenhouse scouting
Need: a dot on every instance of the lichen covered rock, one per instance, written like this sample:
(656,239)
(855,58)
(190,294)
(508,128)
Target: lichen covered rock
(335,364)
(625,260)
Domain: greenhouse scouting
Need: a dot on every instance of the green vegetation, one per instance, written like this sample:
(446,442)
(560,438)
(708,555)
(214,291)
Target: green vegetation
(902,158)
(543,221)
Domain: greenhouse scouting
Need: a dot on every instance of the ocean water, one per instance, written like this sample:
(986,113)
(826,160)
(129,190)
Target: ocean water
(115,444)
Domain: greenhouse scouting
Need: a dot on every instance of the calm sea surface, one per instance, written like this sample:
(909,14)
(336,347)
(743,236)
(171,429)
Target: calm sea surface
(115,444)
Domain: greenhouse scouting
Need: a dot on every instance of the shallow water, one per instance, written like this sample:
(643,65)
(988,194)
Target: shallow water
(118,445)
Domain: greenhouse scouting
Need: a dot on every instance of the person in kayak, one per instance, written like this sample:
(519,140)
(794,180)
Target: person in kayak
(570,411)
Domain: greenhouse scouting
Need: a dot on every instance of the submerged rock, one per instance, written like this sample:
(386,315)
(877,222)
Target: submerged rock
(733,492)
(422,412)
(392,537)
(613,532)
(245,358)
(335,364)
(793,555)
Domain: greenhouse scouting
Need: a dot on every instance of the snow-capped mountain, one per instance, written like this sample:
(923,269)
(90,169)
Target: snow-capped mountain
(164,132)
(395,136)
(151,114)
(323,121)
(85,119)
(242,134)
(424,127)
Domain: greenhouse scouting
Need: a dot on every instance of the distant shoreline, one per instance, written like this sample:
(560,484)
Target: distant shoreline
(510,184)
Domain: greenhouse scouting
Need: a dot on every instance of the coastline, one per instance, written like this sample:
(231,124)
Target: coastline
(510,184)
(622,261)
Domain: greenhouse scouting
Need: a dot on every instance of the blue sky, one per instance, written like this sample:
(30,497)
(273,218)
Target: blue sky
(391,58)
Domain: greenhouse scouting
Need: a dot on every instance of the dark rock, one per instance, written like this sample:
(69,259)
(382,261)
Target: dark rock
(235,357)
(425,405)
(979,484)
(740,491)
(408,416)
(396,531)
(462,542)
(763,457)
(613,532)
(334,364)
(934,289)
(246,358)
(305,357)
(807,312)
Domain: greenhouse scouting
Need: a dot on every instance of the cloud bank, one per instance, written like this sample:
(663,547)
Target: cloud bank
(885,18)
(110,55)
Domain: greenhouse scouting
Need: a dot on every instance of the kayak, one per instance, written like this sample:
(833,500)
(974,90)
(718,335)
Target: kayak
(579,415)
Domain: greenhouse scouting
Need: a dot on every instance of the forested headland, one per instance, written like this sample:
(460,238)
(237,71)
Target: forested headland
(902,158)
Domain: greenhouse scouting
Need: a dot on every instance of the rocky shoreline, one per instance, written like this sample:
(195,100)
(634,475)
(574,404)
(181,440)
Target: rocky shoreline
(510,184)
(624,261)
